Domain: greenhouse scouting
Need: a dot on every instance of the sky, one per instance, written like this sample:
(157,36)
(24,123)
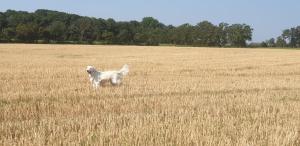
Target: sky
(268,18)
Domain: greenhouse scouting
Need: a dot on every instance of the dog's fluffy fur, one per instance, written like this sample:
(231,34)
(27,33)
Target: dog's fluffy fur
(115,77)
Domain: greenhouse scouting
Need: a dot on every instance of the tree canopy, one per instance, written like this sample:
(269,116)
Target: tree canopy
(288,38)
(46,26)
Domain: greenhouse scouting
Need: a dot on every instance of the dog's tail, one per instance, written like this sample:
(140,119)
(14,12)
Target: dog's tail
(124,70)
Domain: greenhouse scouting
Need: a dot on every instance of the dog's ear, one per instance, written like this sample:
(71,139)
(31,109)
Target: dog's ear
(93,69)
(90,69)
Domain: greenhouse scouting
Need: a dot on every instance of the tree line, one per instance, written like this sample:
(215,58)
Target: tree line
(289,38)
(46,26)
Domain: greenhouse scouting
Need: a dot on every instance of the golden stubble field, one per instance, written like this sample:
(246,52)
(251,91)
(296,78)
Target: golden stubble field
(172,96)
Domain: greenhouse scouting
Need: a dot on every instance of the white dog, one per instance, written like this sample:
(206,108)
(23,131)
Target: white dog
(115,77)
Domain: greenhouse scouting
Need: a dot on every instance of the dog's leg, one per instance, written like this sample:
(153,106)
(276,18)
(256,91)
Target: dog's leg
(92,81)
(96,84)
(116,80)
(119,81)
(119,78)
(113,81)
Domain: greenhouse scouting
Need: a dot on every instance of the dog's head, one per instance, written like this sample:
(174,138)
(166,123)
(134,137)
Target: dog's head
(90,69)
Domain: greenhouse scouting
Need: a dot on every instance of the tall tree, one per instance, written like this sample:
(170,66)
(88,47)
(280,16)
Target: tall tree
(109,35)
(271,42)
(280,42)
(223,34)
(3,24)
(9,33)
(292,36)
(183,34)
(27,32)
(206,34)
(85,28)
(239,34)
(150,22)
(57,30)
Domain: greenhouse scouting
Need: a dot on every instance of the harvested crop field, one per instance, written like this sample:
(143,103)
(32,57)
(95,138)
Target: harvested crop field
(172,96)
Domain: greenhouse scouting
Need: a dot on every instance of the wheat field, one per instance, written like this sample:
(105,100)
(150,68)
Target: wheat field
(172,96)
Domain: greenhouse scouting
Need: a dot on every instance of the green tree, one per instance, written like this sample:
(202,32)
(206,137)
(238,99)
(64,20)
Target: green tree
(109,34)
(280,42)
(239,34)
(3,24)
(271,42)
(263,44)
(297,36)
(73,33)
(84,25)
(100,27)
(293,36)
(167,34)
(27,32)
(183,34)
(206,34)
(57,30)
(149,32)
(126,33)
(150,22)
(223,34)
(9,33)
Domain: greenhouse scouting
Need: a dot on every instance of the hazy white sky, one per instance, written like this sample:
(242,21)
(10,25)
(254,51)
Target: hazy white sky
(267,17)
